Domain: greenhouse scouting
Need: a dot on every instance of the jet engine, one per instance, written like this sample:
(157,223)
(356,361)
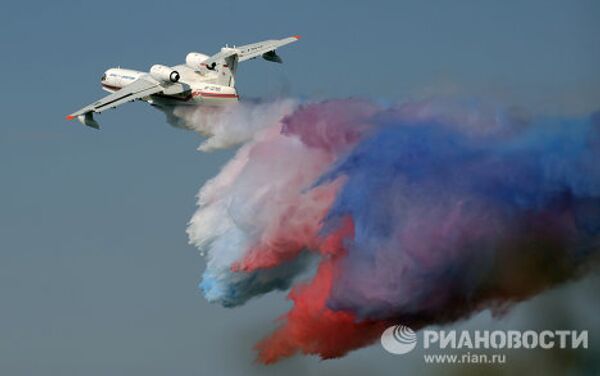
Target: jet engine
(194,60)
(164,73)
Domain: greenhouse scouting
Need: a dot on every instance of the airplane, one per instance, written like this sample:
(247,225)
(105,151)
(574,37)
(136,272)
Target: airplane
(204,80)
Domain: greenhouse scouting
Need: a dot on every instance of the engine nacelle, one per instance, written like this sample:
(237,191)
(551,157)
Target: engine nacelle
(194,60)
(164,73)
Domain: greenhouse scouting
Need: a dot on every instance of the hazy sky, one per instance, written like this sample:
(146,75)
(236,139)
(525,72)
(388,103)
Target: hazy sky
(96,276)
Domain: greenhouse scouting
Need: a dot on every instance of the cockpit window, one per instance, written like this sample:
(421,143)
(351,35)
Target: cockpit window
(103,77)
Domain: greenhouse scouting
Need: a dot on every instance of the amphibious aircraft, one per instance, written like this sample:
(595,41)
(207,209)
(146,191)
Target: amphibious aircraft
(203,79)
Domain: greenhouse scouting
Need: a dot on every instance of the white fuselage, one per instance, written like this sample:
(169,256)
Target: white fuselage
(199,87)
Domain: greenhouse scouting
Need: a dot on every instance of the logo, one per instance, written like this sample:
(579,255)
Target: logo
(398,339)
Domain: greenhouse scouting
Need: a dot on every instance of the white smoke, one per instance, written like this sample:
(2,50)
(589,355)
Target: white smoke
(230,125)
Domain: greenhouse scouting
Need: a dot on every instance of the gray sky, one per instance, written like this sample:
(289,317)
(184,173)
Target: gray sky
(96,276)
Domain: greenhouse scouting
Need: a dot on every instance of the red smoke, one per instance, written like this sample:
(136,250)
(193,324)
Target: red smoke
(311,327)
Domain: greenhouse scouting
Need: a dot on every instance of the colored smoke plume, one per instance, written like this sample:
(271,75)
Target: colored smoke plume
(420,213)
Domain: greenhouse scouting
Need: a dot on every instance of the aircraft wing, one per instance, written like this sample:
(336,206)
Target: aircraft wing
(250,51)
(139,88)
(221,56)
(266,49)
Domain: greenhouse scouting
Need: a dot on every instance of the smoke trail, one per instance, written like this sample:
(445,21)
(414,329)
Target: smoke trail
(231,125)
(421,213)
